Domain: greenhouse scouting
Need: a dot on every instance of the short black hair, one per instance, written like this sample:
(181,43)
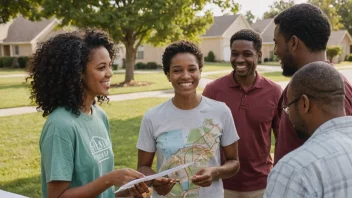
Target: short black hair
(181,47)
(308,23)
(57,66)
(248,35)
(322,82)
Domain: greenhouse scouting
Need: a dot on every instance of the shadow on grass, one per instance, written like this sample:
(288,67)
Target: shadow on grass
(30,187)
(22,85)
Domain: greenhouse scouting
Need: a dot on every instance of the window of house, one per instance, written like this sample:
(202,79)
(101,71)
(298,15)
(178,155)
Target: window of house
(16,50)
(140,52)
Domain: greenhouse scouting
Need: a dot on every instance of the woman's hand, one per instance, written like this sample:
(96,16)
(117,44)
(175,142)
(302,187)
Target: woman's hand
(136,191)
(163,185)
(205,176)
(122,176)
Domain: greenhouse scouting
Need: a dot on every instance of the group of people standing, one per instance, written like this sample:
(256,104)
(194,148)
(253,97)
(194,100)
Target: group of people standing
(226,132)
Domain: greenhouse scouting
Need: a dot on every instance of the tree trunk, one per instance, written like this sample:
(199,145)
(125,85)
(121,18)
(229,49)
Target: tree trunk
(130,61)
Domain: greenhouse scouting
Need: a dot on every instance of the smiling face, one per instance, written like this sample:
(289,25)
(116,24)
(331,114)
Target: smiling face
(184,74)
(96,77)
(282,51)
(244,58)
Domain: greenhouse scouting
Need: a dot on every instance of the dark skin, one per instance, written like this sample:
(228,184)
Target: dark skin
(307,115)
(184,68)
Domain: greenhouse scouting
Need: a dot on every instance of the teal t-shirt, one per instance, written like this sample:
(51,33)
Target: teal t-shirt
(76,149)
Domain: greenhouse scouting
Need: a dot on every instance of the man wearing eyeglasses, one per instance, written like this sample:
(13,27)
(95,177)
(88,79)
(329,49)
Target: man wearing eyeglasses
(322,166)
(253,102)
(301,35)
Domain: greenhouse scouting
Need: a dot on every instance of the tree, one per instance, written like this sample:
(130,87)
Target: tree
(344,8)
(134,22)
(11,8)
(333,51)
(277,8)
(331,12)
(250,17)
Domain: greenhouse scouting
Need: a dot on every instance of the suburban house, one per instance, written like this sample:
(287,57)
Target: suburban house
(266,27)
(343,39)
(20,36)
(216,39)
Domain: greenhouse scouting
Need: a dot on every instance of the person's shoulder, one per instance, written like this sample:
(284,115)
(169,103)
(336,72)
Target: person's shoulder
(99,111)
(219,82)
(214,104)
(158,109)
(271,84)
(62,116)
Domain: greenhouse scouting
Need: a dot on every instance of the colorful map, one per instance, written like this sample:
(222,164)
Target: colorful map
(179,147)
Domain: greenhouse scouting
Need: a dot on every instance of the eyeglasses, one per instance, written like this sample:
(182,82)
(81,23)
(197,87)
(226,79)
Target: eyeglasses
(286,107)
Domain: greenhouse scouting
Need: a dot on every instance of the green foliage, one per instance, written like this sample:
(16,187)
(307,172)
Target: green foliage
(152,65)
(140,65)
(10,9)
(333,51)
(277,7)
(210,57)
(344,8)
(115,66)
(249,17)
(331,12)
(133,23)
(349,58)
(14,62)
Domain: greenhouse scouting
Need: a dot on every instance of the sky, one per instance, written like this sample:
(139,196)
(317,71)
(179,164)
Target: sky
(257,7)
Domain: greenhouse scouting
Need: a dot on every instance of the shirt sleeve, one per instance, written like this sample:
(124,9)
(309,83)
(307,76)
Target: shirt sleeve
(229,134)
(146,140)
(207,92)
(284,181)
(57,155)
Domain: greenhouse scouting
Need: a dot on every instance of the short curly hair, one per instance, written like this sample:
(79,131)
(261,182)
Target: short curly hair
(181,47)
(248,35)
(308,23)
(57,66)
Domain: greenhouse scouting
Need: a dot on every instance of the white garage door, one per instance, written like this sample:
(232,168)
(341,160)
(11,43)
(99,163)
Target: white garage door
(227,53)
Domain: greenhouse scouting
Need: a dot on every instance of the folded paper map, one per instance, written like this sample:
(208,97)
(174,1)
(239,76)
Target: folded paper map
(151,177)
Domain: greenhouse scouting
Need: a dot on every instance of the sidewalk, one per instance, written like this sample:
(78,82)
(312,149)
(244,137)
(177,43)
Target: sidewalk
(120,97)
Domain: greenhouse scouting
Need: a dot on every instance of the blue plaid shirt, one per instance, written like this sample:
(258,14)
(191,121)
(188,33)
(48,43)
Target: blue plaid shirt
(321,167)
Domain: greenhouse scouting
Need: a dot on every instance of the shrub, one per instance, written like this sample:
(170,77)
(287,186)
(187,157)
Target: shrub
(115,66)
(140,65)
(349,57)
(152,65)
(210,57)
(23,61)
(7,62)
(266,59)
(333,51)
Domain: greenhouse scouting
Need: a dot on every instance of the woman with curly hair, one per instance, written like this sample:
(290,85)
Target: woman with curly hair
(69,72)
(189,128)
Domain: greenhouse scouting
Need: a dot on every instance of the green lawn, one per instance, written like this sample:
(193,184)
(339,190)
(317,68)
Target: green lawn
(5,71)
(271,63)
(15,93)
(19,151)
(274,76)
(216,66)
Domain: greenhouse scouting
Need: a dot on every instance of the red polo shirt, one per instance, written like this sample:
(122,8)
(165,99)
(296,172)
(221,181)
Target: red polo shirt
(255,114)
(287,139)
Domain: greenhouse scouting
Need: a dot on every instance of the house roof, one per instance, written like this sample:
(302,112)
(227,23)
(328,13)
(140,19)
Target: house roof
(261,24)
(337,36)
(268,34)
(220,25)
(23,30)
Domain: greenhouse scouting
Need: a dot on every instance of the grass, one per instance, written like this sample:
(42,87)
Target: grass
(15,93)
(274,76)
(6,71)
(216,66)
(271,63)
(19,150)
